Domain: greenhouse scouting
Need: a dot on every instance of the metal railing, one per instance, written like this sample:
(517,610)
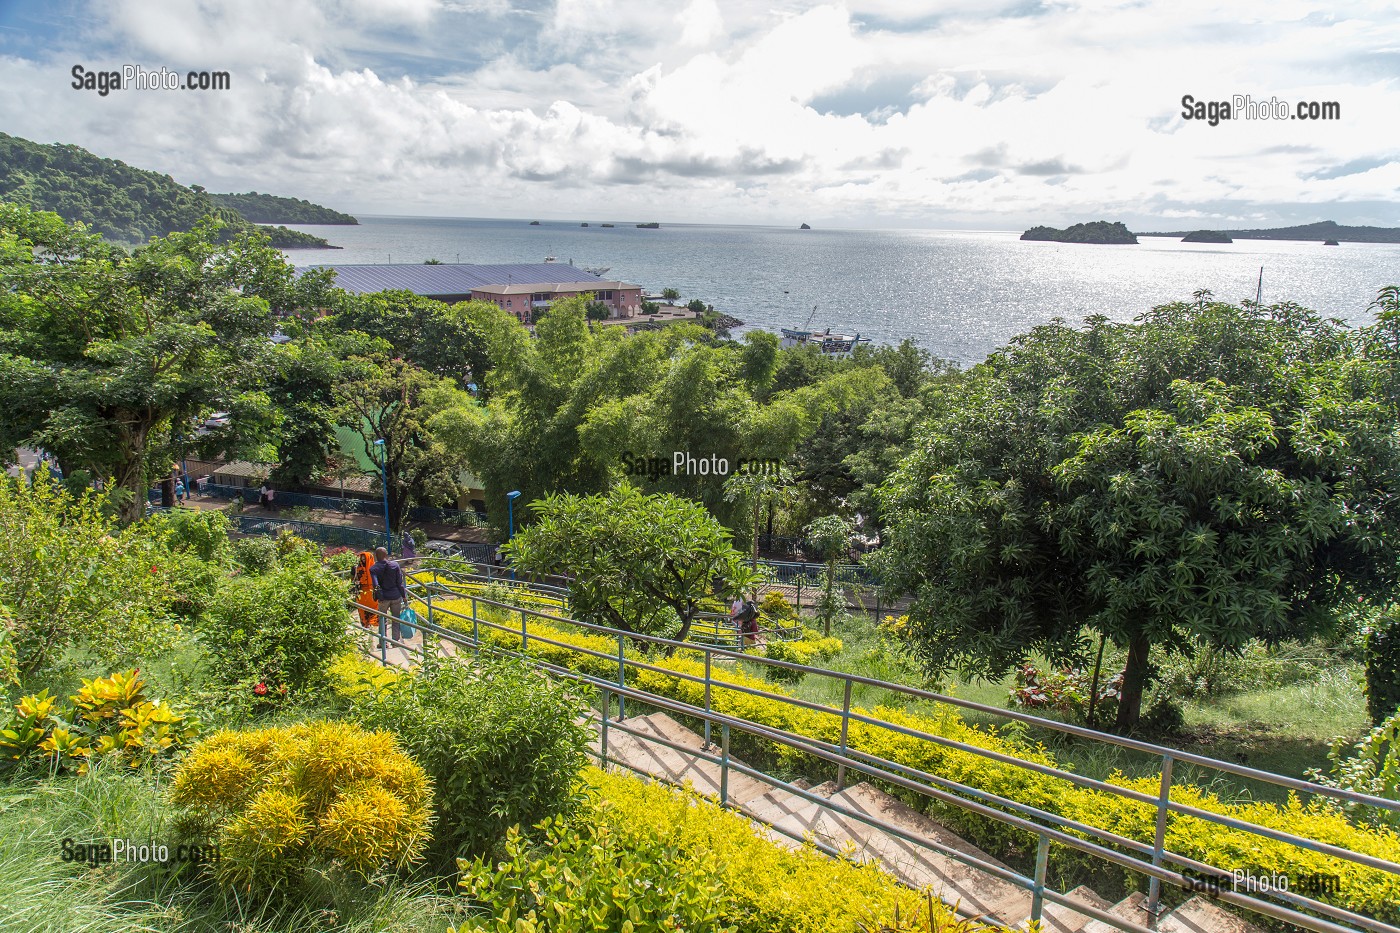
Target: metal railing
(356,505)
(1154,861)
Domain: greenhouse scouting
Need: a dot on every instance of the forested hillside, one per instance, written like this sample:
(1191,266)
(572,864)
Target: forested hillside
(115,199)
(271,209)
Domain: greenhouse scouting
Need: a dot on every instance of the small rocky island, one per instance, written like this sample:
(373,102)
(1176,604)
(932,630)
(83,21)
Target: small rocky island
(805,227)
(1098,231)
(1207,236)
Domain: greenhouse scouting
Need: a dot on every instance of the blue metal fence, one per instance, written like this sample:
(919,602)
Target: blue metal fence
(349,505)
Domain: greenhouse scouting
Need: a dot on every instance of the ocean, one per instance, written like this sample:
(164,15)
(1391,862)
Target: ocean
(958,294)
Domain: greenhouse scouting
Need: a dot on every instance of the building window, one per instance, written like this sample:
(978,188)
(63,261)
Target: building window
(507,302)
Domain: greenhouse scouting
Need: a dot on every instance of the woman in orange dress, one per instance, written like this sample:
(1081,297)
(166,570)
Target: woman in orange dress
(365,596)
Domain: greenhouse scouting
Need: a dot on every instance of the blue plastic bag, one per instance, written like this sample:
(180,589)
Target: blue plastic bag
(408,623)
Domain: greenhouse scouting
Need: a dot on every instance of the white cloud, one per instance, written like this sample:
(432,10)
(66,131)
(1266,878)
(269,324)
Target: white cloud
(881,111)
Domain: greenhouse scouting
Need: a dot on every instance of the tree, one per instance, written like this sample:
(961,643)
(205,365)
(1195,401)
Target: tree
(597,311)
(1211,474)
(398,402)
(107,360)
(670,294)
(302,387)
(831,536)
(445,340)
(757,490)
(640,563)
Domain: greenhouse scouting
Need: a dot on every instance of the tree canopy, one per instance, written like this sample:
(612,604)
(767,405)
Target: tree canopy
(1211,473)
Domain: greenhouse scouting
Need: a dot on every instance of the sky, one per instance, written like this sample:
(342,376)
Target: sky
(985,114)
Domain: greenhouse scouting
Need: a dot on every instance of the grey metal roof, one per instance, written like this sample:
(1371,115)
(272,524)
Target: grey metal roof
(454,278)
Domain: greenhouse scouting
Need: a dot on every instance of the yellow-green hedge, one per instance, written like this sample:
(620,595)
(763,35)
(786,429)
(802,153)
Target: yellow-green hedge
(1362,889)
(768,887)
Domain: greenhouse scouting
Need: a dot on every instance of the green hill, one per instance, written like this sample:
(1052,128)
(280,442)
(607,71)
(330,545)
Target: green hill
(121,202)
(270,209)
(1322,230)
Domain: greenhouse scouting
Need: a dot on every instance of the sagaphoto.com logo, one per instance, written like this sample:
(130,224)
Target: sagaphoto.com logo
(135,77)
(1244,107)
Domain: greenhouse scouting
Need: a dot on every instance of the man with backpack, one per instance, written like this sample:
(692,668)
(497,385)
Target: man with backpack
(390,589)
(747,617)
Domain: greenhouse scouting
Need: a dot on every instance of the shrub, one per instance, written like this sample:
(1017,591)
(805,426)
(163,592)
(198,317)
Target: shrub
(500,740)
(256,554)
(1383,666)
(686,864)
(279,629)
(775,606)
(1372,768)
(1066,690)
(71,579)
(354,676)
(783,651)
(202,533)
(108,716)
(280,801)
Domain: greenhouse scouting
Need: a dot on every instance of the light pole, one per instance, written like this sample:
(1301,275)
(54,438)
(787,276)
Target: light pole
(510,518)
(384,485)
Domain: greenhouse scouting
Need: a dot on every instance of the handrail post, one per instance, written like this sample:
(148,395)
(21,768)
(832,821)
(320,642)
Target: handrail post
(707,699)
(524,632)
(1042,864)
(1159,837)
(621,677)
(426,633)
(724,764)
(845,733)
(476,630)
(603,737)
(383,645)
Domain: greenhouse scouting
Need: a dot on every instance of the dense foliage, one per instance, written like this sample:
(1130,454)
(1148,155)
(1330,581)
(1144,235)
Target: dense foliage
(644,857)
(501,742)
(1212,472)
(1383,666)
(282,801)
(271,209)
(114,199)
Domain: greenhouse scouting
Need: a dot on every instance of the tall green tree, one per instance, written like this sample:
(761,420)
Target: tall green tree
(108,360)
(1211,473)
(446,340)
(641,563)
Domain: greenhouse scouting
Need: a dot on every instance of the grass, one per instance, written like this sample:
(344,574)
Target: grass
(42,893)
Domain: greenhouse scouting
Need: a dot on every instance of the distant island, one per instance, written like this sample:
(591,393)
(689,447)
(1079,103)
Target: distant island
(1321,232)
(651,226)
(125,204)
(270,209)
(1206,236)
(534,223)
(1098,231)
(805,227)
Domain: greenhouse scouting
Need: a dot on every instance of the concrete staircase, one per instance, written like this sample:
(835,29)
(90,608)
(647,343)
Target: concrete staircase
(785,818)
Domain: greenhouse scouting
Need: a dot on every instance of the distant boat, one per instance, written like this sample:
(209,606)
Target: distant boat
(596,270)
(1330,243)
(605,225)
(649,226)
(534,223)
(550,259)
(583,224)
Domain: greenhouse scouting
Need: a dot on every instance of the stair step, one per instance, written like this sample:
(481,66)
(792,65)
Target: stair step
(798,819)
(975,892)
(1132,908)
(825,789)
(678,766)
(1199,915)
(1059,918)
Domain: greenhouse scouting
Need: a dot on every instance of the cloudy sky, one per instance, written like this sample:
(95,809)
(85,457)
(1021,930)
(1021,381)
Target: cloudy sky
(869,113)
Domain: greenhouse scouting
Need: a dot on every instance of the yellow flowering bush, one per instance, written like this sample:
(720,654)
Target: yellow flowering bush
(642,857)
(326,793)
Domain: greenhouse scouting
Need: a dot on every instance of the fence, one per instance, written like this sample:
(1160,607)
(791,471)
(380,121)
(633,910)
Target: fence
(608,673)
(348,505)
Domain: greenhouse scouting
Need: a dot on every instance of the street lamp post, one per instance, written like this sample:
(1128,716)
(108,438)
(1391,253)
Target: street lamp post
(510,518)
(384,485)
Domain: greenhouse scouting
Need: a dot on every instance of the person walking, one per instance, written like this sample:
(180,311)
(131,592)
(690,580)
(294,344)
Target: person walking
(180,490)
(390,589)
(408,552)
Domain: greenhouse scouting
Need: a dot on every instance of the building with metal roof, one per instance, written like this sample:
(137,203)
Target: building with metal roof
(520,288)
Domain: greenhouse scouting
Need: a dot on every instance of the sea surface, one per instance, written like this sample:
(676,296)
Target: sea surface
(958,294)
